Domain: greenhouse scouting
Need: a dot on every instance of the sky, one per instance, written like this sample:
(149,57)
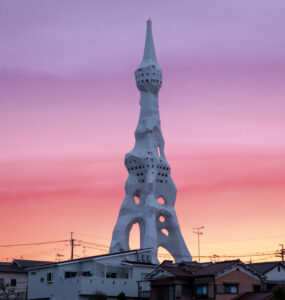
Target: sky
(69,107)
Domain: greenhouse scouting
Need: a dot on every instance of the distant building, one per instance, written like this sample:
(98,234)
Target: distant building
(108,274)
(14,278)
(274,272)
(221,281)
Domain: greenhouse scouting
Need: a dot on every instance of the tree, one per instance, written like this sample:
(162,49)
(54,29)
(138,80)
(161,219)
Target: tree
(7,292)
(278,292)
(121,296)
(98,296)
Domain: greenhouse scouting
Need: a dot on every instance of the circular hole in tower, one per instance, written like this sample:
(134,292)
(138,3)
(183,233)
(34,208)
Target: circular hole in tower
(136,199)
(165,231)
(161,219)
(161,201)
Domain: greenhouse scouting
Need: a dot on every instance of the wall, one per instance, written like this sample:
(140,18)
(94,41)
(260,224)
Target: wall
(22,281)
(245,281)
(275,275)
(62,288)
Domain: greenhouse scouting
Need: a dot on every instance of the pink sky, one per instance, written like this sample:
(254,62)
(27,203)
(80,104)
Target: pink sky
(69,107)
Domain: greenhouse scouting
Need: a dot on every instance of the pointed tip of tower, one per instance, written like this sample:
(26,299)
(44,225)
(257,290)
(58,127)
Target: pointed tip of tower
(149,56)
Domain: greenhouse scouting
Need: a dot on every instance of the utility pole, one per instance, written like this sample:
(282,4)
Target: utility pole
(198,232)
(282,252)
(72,244)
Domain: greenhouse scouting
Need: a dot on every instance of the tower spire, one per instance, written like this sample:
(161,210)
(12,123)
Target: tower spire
(149,56)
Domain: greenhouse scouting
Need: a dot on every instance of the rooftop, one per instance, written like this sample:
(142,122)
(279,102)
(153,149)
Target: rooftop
(49,264)
(255,296)
(265,266)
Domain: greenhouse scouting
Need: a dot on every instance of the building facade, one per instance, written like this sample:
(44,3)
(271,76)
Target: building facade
(14,278)
(274,272)
(78,279)
(220,281)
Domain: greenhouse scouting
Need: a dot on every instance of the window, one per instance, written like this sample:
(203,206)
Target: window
(201,291)
(86,273)
(13,282)
(230,289)
(69,274)
(227,288)
(42,279)
(111,275)
(279,269)
(49,277)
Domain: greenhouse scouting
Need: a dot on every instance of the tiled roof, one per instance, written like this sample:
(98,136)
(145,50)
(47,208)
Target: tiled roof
(255,296)
(264,267)
(216,268)
(177,271)
(193,269)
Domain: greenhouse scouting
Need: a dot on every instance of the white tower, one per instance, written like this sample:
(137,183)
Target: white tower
(149,177)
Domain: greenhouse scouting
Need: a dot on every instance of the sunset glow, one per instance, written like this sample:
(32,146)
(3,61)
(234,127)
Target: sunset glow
(69,107)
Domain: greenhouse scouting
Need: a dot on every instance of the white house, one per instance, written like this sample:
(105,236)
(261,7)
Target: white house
(14,278)
(274,272)
(108,274)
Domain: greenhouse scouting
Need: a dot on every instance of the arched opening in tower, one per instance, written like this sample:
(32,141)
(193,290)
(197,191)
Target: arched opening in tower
(134,237)
(163,254)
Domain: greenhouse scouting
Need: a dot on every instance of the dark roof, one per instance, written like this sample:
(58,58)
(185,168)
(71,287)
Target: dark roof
(90,257)
(138,263)
(19,265)
(23,263)
(193,269)
(10,268)
(216,268)
(265,266)
(255,296)
(177,271)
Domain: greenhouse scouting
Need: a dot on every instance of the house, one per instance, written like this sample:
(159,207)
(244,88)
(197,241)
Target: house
(274,272)
(222,281)
(108,274)
(14,277)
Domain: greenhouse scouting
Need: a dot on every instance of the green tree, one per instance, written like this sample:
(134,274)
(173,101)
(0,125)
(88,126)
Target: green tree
(121,296)
(7,292)
(278,292)
(98,296)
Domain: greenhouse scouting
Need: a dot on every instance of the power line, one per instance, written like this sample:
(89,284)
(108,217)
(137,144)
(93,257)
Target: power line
(32,244)
(250,239)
